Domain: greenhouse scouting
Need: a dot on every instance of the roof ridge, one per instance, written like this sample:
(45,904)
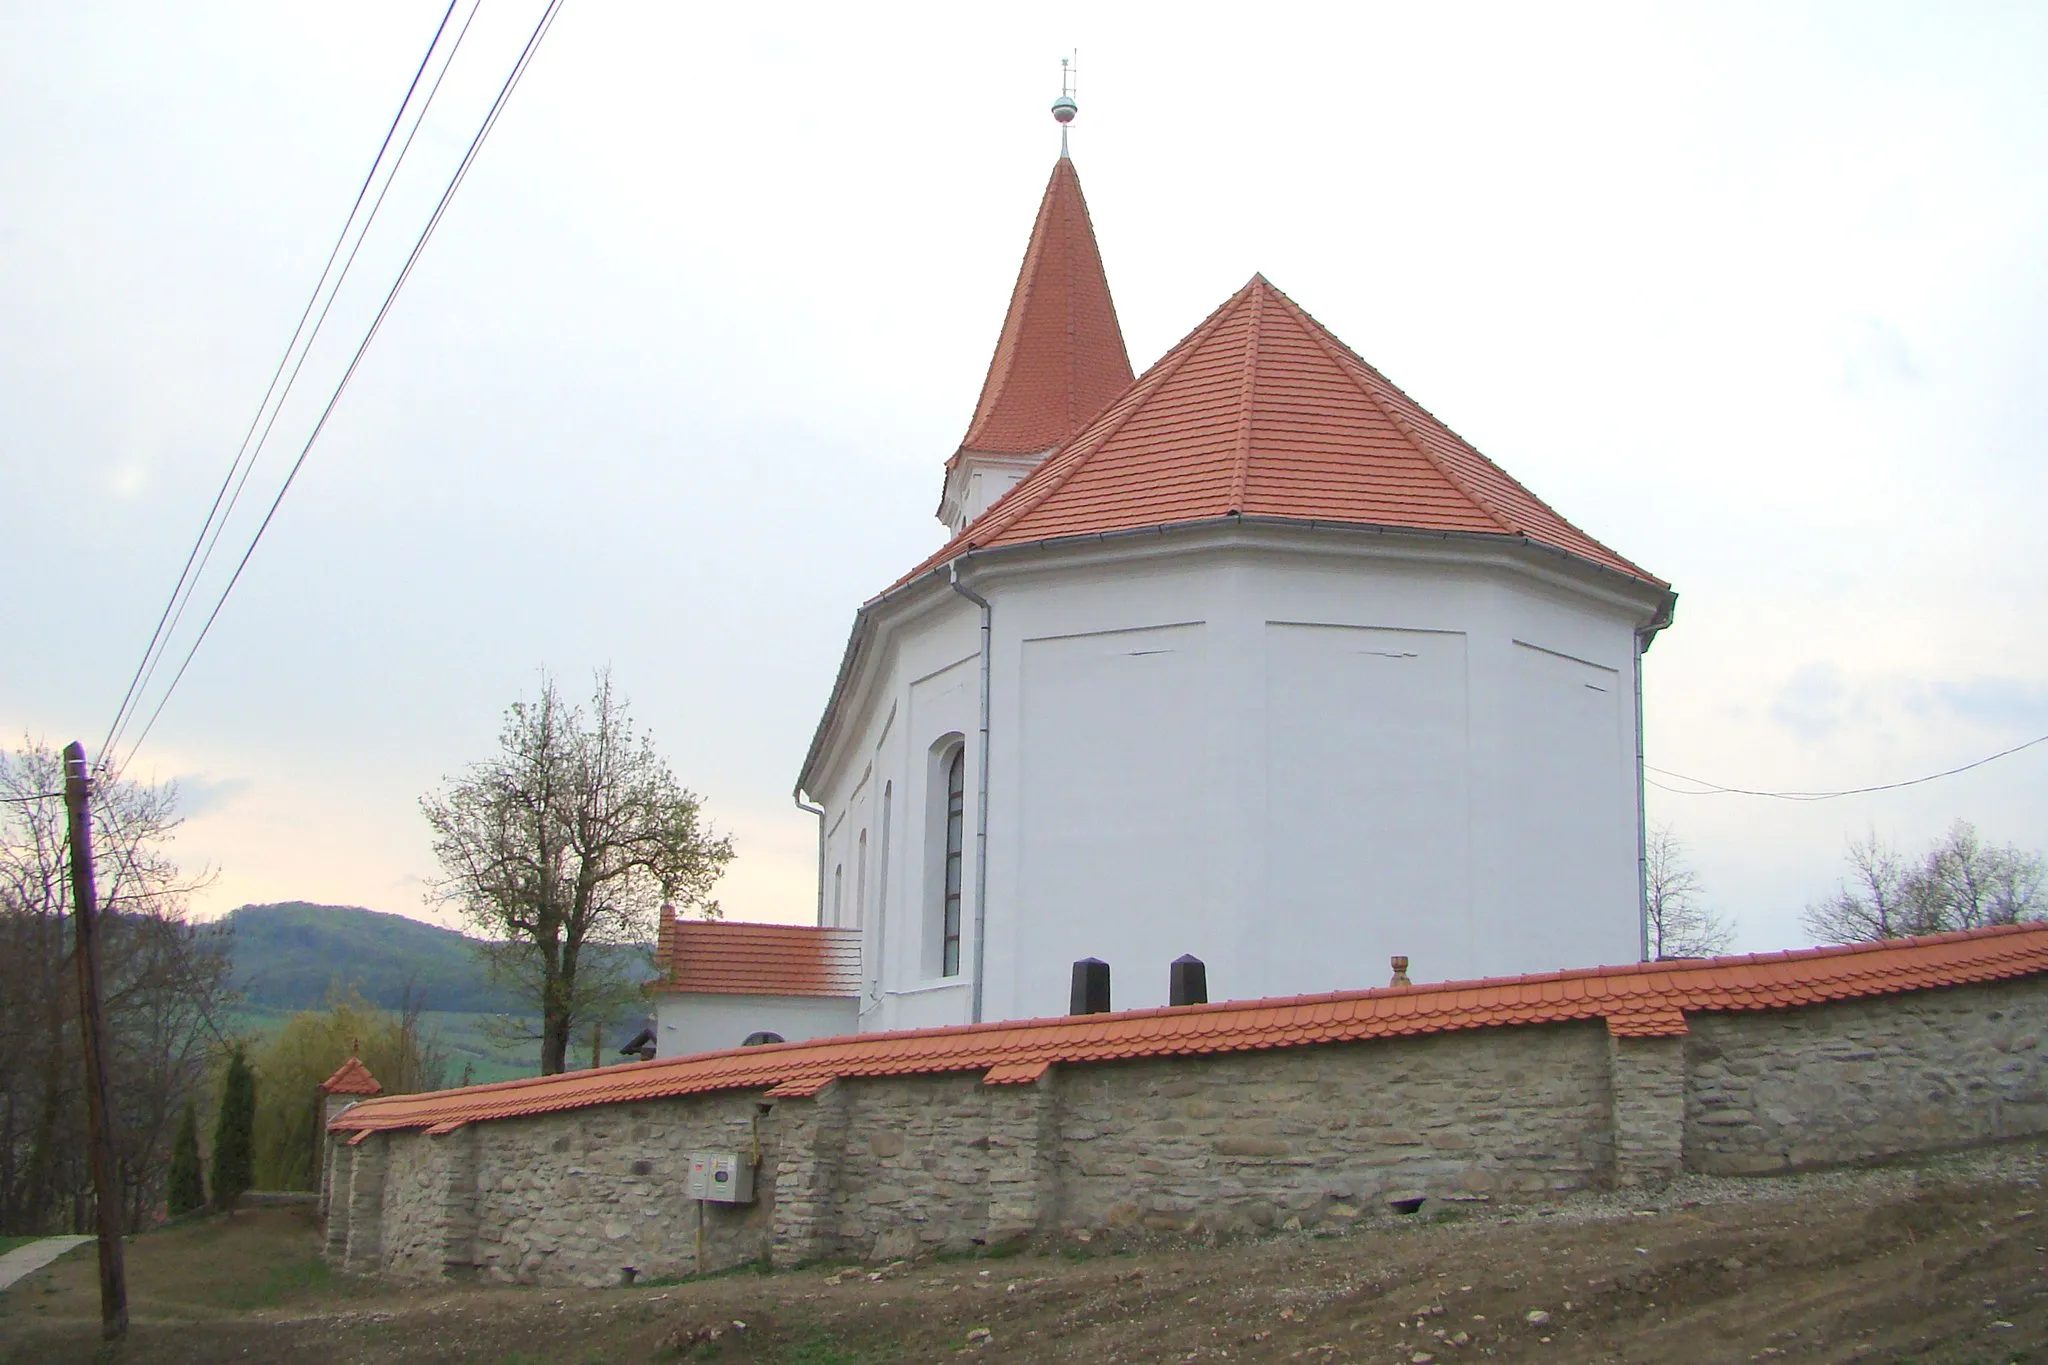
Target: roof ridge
(1338,354)
(1241,475)
(1001,363)
(1407,429)
(1058,468)
(1067,298)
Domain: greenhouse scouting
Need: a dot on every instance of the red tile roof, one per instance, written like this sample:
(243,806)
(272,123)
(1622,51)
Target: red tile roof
(1060,358)
(1642,1000)
(721,957)
(1261,412)
(351,1078)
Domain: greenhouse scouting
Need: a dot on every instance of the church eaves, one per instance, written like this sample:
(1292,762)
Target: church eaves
(1260,412)
(1060,358)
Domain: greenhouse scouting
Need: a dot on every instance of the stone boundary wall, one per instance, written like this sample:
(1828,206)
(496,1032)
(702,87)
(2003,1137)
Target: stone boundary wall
(1222,1144)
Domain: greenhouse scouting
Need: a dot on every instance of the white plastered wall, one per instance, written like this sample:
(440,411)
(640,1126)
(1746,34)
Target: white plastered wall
(1289,762)
(692,1022)
(919,699)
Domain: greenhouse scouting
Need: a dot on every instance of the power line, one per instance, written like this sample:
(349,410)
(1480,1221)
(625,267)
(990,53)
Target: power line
(34,796)
(1702,787)
(219,527)
(440,209)
(187,576)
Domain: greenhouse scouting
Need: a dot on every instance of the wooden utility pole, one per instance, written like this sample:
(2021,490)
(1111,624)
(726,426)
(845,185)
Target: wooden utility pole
(92,1026)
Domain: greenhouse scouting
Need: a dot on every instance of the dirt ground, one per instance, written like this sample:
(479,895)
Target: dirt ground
(1943,1262)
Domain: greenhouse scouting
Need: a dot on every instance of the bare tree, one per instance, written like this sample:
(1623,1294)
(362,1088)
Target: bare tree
(1869,903)
(1959,883)
(166,985)
(565,843)
(1973,884)
(1681,922)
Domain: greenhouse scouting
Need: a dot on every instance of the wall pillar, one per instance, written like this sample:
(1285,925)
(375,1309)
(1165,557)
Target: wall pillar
(811,1137)
(334,1163)
(456,1155)
(1022,1194)
(331,1108)
(1648,1078)
(363,1249)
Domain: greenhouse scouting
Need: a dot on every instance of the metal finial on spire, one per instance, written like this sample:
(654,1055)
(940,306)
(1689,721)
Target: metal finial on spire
(1064,108)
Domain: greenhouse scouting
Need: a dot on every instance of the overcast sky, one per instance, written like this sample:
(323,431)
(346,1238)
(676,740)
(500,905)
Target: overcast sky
(1757,295)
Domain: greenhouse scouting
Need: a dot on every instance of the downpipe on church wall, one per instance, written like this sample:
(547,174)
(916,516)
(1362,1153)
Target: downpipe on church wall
(981,790)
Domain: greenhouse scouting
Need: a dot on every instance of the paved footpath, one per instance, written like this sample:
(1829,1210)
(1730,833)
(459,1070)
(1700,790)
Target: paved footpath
(26,1260)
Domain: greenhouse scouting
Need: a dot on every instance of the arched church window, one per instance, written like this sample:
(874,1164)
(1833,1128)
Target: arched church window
(956,825)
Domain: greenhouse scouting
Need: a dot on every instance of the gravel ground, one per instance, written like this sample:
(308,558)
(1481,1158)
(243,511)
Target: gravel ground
(1942,1262)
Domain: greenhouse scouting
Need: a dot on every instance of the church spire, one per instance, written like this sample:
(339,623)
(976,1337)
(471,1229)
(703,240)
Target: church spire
(1059,359)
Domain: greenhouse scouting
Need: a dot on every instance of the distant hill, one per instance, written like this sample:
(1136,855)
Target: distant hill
(288,955)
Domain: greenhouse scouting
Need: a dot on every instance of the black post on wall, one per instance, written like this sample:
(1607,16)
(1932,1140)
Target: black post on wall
(1091,987)
(1187,981)
(92,1025)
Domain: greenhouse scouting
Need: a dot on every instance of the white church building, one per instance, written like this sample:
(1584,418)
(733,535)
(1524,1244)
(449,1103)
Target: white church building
(1248,658)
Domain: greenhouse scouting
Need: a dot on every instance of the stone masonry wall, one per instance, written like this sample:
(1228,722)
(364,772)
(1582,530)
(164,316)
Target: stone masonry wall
(1223,1144)
(411,1236)
(584,1196)
(916,1160)
(1865,1078)
(1250,1140)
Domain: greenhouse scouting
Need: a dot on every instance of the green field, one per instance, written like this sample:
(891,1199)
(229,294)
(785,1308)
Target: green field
(296,955)
(461,1035)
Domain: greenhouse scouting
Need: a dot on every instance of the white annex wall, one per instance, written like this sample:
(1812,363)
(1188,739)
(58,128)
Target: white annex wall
(704,1022)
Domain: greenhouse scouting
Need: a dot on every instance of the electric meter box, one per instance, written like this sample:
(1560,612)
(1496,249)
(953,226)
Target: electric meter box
(721,1178)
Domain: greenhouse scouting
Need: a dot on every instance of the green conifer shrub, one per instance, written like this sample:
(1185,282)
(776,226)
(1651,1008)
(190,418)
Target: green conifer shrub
(187,1185)
(234,1136)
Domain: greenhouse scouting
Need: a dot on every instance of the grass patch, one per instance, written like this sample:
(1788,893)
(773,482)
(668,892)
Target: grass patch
(760,1265)
(286,1280)
(1001,1251)
(821,1348)
(8,1244)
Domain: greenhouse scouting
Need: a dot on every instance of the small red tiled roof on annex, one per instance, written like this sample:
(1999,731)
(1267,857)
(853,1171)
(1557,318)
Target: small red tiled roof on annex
(722,957)
(1060,357)
(1260,411)
(351,1078)
(1641,1000)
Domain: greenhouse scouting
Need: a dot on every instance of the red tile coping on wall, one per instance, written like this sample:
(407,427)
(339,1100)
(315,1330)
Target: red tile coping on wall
(351,1078)
(724,957)
(1641,1000)
(1260,412)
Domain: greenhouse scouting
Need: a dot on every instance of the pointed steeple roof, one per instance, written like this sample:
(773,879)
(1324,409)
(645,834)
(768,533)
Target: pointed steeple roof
(1260,411)
(1060,358)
